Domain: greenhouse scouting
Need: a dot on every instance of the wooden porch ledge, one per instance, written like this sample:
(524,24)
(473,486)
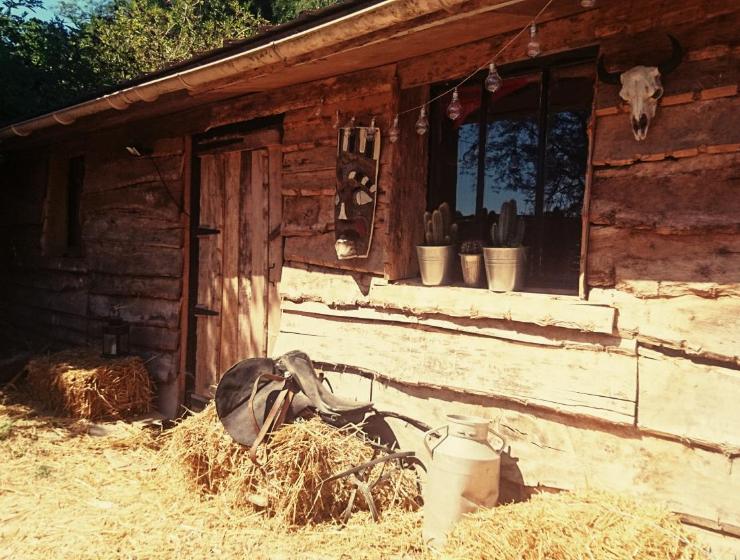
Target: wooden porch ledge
(341,289)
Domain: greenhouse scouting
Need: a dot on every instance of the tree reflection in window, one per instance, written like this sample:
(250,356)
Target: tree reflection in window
(536,146)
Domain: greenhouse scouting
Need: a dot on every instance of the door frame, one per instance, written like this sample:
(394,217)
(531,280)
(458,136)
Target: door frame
(262,133)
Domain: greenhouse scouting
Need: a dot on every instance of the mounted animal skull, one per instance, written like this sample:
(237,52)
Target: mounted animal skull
(642,87)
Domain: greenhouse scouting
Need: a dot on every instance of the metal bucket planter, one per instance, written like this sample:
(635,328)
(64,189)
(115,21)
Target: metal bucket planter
(436,264)
(472,269)
(504,268)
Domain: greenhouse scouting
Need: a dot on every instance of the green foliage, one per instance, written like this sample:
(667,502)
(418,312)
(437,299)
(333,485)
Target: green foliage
(94,44)
(133,37)
(286,10)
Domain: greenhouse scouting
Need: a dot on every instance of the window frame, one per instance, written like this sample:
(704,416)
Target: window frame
(543,66)
(62,221)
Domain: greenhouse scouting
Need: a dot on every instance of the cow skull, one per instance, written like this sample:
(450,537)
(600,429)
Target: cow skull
(642,88)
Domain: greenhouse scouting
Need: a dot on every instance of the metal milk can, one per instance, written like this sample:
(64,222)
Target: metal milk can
(463,474)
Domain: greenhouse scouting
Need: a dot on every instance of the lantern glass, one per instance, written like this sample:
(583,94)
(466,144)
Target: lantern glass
(115,338)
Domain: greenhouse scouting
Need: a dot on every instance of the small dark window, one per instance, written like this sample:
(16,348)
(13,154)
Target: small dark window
(534,134)
(62,224)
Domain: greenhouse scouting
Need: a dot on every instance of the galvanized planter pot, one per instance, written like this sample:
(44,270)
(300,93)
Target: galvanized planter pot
(472,269)
(436,264)
(505,268)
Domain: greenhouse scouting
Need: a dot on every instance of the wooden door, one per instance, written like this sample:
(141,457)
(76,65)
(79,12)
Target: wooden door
(233,282)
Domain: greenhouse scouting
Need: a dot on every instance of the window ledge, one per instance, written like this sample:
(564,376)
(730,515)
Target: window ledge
(564,311)
(341,290)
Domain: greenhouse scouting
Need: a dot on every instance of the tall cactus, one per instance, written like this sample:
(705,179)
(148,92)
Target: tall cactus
(438,227)
(508,231)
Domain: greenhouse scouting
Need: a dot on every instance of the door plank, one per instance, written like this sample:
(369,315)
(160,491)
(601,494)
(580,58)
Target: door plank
(230,291)
(245,345)
(209,275)
(258,216)
(275,245)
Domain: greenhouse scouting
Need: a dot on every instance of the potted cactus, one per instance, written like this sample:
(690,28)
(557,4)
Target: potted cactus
(505,259)
(437,254)
(471,262)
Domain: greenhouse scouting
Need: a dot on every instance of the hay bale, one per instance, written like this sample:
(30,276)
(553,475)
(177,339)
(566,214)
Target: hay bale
(85,385)
(295,461)
(573,526)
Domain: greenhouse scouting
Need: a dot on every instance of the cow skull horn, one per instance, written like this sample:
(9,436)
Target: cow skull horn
(672,63)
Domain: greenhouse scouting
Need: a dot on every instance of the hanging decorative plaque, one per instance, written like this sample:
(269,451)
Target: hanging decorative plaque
(358,157)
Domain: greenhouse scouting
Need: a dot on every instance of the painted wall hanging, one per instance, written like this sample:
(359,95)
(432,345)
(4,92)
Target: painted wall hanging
(358,159)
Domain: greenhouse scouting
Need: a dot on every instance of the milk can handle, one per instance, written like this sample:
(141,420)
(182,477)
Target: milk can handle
(429,434)
(499,436)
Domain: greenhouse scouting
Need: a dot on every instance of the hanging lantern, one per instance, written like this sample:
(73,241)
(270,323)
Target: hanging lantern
(422,123)
(115,336)
(394,132)
(454,109)
(493,80)
(533,47)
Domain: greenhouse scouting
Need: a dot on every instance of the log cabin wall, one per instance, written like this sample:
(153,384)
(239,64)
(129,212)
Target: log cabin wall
(632,388)
(130,255)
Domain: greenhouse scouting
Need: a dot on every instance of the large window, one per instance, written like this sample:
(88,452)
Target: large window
(528,142)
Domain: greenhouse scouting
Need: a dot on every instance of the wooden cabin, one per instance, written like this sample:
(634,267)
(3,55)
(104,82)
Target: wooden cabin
(618,364)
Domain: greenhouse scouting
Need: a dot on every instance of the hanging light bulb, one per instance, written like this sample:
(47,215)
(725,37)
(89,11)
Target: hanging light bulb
(395,132)
(493,80)
(454,109)
(422,123)
(371,129)
(533,47)
(588,3)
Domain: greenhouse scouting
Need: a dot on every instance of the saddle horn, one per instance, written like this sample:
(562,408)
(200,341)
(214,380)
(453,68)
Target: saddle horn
(668,66)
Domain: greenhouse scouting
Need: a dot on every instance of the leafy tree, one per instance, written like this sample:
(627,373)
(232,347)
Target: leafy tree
(132,37)
(42,63)
(286,10)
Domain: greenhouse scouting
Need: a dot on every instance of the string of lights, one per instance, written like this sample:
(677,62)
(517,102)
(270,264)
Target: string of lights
(492,83)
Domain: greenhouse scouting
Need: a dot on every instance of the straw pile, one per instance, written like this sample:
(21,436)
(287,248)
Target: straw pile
(84,385)
(295,461)
(574,526)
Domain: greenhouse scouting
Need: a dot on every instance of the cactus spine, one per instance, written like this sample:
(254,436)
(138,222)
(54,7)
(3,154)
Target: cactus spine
(438,227)
(508,231)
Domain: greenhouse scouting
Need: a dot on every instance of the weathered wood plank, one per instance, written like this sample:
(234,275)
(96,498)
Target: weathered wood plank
(121,225)
(596,384)
(567,453)
(686,399)
(335,288)
(698,326)
(307,215)
(505,330)
(136,310)
(686,195)
(638,260)
(676,128)
(408,199)
(275,245)
(134,259)
(135,286)
(210,262)
(149,200)
(319,250)
(110,173)
(230,260)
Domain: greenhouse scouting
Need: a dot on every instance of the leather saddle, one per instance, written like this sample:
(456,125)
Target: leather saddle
(257,395)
